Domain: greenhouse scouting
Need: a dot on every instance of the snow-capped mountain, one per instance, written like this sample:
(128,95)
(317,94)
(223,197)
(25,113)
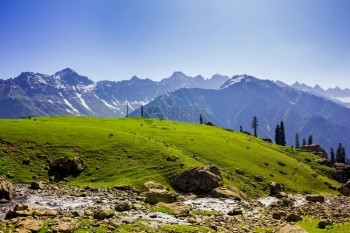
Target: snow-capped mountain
(336,94)
(68,93)
(243,97)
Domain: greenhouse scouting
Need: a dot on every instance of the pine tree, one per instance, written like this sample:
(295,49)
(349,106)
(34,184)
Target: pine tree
(141,110)
(201,120)
(297,144)
(304,142)
(127,109)
(282,134)
(241,129)
(309,141)
(255,125)
(340,154)
(278,135)
(332,156)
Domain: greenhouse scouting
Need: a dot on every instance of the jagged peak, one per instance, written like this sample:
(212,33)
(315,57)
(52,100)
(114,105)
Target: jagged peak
(66,71)
(237,79)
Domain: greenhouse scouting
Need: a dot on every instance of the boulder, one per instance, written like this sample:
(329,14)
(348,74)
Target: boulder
(104,212)
(198,180)
(291,229)
(67,226)
(29,225)
(275,188)
(315,149)
(342,172)
(153,196)
(315,198)
(324,222)
(37,185)
(293,218)
(24,210)
(64,167)
(221,192)
(180,209)
(123,206)
(6,189)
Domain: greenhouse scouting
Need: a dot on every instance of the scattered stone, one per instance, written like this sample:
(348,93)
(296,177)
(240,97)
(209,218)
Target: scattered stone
(279,215)
(23,210)
(104,212)
(324,222)
(221,192)
(315,198)
(37,185)
(291,229)
(345,189)
(6,189)
(180,209)
(29,225)
(281,195)
(192,220)
(235,211)
(198,180)
(293,218)
(342,172)
(123,206)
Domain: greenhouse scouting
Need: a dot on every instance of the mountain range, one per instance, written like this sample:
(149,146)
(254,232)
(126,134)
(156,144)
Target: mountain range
(226,102)
(242,97)
(68,93)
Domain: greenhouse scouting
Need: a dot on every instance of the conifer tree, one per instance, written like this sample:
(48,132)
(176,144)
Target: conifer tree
(141,110)
(241,129)
(297,144)
(332,156)
(278,135)
(255,125)
(309,141)
(340,154)
(201,120)
(282,134)
(304,142)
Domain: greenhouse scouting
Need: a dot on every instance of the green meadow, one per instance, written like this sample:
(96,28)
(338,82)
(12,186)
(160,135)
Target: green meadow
(131,151)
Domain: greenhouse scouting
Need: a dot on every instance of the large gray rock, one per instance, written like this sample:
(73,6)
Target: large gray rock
(64,167)
(6,189)
(198,180)
(104,212)
(153,196)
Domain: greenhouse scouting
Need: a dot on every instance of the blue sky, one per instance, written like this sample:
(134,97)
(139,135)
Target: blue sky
(298,40)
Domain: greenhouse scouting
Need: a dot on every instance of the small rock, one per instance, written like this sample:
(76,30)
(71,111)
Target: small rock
(275,188)
(6,189)
(293,218)
(235,211)
(36,185)
(153,196)
(279,215)
(291,229)
(315,198)
(281,195)
(123,206)
(104,212)
(221,192)
(192,220)
(324,222)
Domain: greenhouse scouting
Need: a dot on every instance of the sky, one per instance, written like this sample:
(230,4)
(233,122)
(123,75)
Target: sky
(289,40)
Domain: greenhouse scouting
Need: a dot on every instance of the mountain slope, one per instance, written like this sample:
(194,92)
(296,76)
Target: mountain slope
(243,97)
(140,151)
(68,93)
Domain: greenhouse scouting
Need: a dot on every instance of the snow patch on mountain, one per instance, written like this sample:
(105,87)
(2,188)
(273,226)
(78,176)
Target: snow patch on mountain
(343,99)
(234,80)
(69,104)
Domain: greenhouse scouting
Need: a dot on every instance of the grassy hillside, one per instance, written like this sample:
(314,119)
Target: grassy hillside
(142,150)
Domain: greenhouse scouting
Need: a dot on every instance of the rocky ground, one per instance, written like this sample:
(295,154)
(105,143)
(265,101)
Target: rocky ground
(61,208)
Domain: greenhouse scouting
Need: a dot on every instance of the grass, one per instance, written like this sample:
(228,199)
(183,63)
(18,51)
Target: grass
(310,225)
(138,152)
(163,209)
